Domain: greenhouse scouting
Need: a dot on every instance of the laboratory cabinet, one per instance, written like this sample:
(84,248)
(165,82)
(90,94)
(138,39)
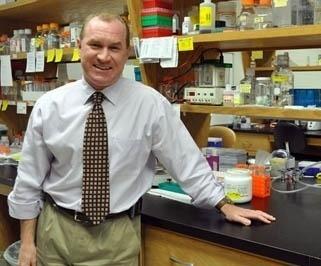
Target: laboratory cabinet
(166,248)
(197,117)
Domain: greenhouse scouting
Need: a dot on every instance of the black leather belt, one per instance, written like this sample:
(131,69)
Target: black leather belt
(83,219)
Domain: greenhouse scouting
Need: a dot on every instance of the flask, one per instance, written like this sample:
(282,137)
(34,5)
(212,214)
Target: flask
(207,17)
(238,185)
(53,36)
(282,81)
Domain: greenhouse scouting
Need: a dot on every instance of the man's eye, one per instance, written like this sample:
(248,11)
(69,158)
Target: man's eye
(114,48)
(95,45)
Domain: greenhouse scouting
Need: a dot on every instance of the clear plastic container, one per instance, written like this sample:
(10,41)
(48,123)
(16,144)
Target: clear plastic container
(263,91)
(263,17)
(238,185)
(226,11)
(75,29)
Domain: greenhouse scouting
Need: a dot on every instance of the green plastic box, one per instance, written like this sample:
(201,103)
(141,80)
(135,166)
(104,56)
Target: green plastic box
(156,20)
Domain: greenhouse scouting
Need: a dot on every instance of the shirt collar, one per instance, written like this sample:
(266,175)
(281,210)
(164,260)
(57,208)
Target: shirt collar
(112,93)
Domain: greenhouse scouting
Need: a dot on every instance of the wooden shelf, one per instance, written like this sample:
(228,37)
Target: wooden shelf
(60,11)
(294,68)
(307,36)
(256,111)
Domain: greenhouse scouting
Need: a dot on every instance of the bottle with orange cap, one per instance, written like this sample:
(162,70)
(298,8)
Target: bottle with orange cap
(53,36)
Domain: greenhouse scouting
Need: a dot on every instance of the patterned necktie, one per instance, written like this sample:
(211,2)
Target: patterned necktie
(95,183)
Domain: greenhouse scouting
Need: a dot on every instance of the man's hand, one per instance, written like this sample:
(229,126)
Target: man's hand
(27,254)
(244,216)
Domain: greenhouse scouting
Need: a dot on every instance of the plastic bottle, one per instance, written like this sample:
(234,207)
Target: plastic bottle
(207,17)
(261,182)
(228,96)
(75,29)
(53,36)
(23,41)
(27,39)
(175,24)
(14,42)
(186,25)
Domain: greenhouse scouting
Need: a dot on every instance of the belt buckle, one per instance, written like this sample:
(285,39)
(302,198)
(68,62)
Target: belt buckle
(76,217)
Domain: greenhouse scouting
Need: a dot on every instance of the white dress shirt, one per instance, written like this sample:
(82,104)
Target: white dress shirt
(141,125)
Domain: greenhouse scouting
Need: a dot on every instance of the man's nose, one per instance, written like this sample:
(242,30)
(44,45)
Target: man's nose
(104,54)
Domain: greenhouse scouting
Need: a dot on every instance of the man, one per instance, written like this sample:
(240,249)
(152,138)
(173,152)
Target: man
(141,126)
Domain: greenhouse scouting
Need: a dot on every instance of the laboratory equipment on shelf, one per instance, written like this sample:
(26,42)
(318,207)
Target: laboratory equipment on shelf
(282,80)
(210,79)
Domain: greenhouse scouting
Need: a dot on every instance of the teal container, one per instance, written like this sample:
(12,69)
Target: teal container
(156,20)
(170,186)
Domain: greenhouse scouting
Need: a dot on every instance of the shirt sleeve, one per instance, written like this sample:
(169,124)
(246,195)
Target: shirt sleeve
(177,151)
(25,200)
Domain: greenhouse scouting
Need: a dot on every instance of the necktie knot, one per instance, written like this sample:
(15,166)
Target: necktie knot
(98,97)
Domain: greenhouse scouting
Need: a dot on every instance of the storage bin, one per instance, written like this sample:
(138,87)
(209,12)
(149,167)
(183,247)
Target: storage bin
(157,11)
(156,32)
(158,3)
(305,97)
(156,20)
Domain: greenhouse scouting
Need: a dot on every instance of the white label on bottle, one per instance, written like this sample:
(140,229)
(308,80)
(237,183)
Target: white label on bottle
(23,45)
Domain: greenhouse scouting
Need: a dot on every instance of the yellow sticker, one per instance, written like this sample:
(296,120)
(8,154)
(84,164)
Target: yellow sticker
(5,104)
(185,44)
(280,79)
(280,3)
(245,88)
(50,55)
(58,55)
(75,55)
(206,16)
(257,55)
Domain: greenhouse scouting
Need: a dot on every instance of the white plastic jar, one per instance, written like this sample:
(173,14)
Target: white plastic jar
(238,185)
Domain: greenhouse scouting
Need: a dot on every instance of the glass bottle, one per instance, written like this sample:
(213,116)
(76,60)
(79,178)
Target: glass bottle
(53,36)
(284,13)
(282,82)
(247,89)
(75,29)
(43,37)
(245,20)
(263,91)
(26,40)
(263,15)
(38,40)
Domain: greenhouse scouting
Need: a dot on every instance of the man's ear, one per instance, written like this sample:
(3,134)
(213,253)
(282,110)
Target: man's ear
(78,43)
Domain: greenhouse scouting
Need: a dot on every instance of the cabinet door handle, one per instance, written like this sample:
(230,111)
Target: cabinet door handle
(177,261)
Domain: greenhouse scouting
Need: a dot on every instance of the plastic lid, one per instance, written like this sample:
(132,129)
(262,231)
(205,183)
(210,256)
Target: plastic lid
(39,28)
(238,172)
(228,87)
(27,31)
(187,19)
(21,31)
(207,1)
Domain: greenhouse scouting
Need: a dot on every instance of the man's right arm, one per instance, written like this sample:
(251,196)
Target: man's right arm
(28,254)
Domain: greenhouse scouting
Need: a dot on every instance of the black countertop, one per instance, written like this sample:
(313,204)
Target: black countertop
(294,238)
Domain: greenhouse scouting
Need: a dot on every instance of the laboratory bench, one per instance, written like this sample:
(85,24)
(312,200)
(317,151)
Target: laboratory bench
(253,139)
(178,231)
(294,238)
